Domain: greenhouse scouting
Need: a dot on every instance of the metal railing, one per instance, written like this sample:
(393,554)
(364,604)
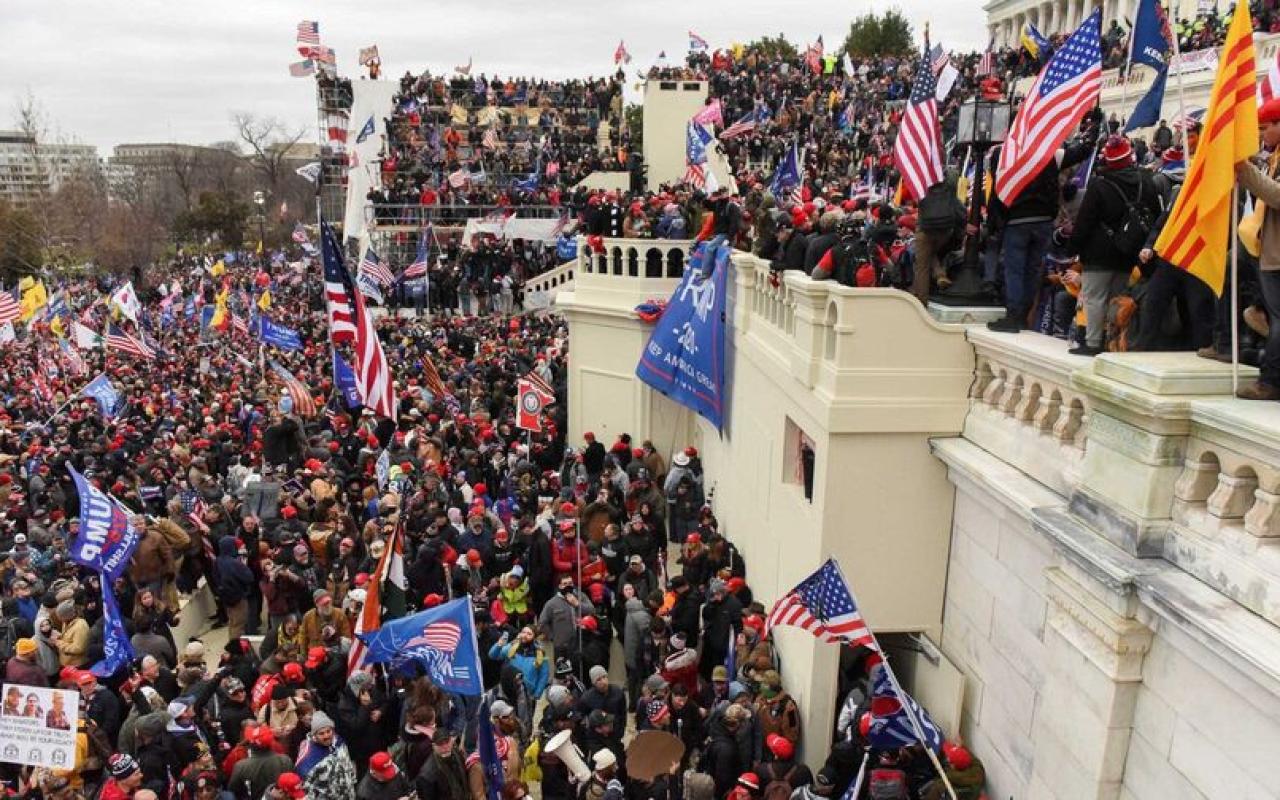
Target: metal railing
(419,215)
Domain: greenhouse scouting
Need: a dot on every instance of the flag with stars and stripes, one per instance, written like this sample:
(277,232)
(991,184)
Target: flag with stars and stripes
(303,403)
(1065,90)
(308,37)
(696,172)
(917,151)
(823,605)
(373,266)
(10,309)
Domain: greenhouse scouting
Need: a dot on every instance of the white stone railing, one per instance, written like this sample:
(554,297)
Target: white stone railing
(635,258)
(552,279)
(1023,407)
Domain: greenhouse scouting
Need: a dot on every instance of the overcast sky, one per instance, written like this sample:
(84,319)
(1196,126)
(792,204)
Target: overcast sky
(112,71)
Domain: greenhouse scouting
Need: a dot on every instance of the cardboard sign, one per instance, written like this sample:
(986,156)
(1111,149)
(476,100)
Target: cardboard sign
(38,726)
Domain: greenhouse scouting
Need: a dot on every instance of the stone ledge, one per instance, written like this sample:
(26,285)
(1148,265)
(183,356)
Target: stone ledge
(1033,353)
(1007,484)
(1168,373)
(1251,428)
(1236,635)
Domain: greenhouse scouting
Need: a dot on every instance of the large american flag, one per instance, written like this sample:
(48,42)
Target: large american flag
(1065,90)
(917,151)
(823,606)
(10,309)
(118,339)
(342,326)
(308,37)
(373,372)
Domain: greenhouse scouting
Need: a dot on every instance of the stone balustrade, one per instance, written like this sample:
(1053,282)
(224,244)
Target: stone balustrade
(1024,408)
(635,258)
(552,279)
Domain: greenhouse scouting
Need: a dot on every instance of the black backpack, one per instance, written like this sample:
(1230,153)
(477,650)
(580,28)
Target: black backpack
(1129,235)
(8,640)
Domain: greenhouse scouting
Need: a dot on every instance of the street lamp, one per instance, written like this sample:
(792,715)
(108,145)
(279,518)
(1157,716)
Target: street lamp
(260,200)
(983,123)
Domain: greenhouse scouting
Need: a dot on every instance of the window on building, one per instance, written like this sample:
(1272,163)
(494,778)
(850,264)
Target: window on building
(800,459)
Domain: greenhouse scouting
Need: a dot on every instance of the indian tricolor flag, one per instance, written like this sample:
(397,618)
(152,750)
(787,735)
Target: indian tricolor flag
(386,592)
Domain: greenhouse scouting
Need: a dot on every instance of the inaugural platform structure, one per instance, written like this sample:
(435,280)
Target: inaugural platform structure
(1078,556)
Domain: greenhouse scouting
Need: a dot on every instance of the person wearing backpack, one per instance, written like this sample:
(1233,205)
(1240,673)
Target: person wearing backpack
(1116,215)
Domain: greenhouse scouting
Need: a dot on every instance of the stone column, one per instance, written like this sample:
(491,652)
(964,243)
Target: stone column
(1094,650)
(1050,17)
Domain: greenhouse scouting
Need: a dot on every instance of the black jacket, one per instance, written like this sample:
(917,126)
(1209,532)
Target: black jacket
(1103,208)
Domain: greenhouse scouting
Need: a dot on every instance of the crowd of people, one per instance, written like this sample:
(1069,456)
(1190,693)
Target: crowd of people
(279,517)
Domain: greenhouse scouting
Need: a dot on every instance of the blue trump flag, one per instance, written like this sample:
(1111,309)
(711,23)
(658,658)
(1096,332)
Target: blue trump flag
(488,749)
(345,379)
(1147,112)
(278,335)
(891,712)
(366,131)
(107,539)
(788,176)
(442,640)
(684,358)
(108,398)
(1150,42)
(117,652)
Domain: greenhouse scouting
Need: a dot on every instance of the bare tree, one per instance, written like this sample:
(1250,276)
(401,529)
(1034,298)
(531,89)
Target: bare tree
(268,141)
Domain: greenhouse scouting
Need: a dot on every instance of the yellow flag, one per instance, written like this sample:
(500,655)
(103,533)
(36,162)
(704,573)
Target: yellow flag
(1196,236)
(259,247)
(57,328)
(264,300)
(34,298)
(26,283)
(218,269)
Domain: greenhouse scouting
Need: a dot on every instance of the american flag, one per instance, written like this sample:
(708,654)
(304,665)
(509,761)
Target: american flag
(938,58)
(917,151)
(620,55)
(308,37)
(193,506)
(823,606)
(341,315)
(10,309)
(299,234)
(239,325)
(373,372)
(442,636)
(303,403)
(1066,88)
(373,266)
(459,177)
(744,125)
(420,262)
(302,69)
(490,139)
(891,713)
(697,43)
(118,339)
(986,64)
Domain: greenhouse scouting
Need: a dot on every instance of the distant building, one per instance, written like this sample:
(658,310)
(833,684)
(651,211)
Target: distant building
(29,168)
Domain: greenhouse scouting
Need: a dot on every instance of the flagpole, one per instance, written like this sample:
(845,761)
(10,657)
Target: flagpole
(1235,291)
(862,774)
(62,408)
(893,680)
(1182,100)
(1127,68)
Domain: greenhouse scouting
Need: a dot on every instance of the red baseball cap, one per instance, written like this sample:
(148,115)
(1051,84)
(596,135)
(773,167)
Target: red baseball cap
(293,673)
(381,765)
(291,785)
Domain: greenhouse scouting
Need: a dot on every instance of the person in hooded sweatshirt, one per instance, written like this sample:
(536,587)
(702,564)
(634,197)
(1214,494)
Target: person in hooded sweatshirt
(1117,185)
(235,581)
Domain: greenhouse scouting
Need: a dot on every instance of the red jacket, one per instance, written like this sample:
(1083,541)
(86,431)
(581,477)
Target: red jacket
(566,557)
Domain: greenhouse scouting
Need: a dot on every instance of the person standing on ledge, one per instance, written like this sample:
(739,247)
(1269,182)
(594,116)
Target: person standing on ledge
(1262,182)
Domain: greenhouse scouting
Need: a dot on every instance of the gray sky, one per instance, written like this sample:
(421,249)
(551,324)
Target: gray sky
(112,71)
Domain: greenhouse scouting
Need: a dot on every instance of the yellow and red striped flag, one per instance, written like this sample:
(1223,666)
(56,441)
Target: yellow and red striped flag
(1196,236)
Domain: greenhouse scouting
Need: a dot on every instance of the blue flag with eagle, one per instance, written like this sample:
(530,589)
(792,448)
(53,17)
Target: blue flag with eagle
(441,640)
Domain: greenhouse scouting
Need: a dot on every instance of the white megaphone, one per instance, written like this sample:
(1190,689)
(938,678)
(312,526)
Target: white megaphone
(563,748)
